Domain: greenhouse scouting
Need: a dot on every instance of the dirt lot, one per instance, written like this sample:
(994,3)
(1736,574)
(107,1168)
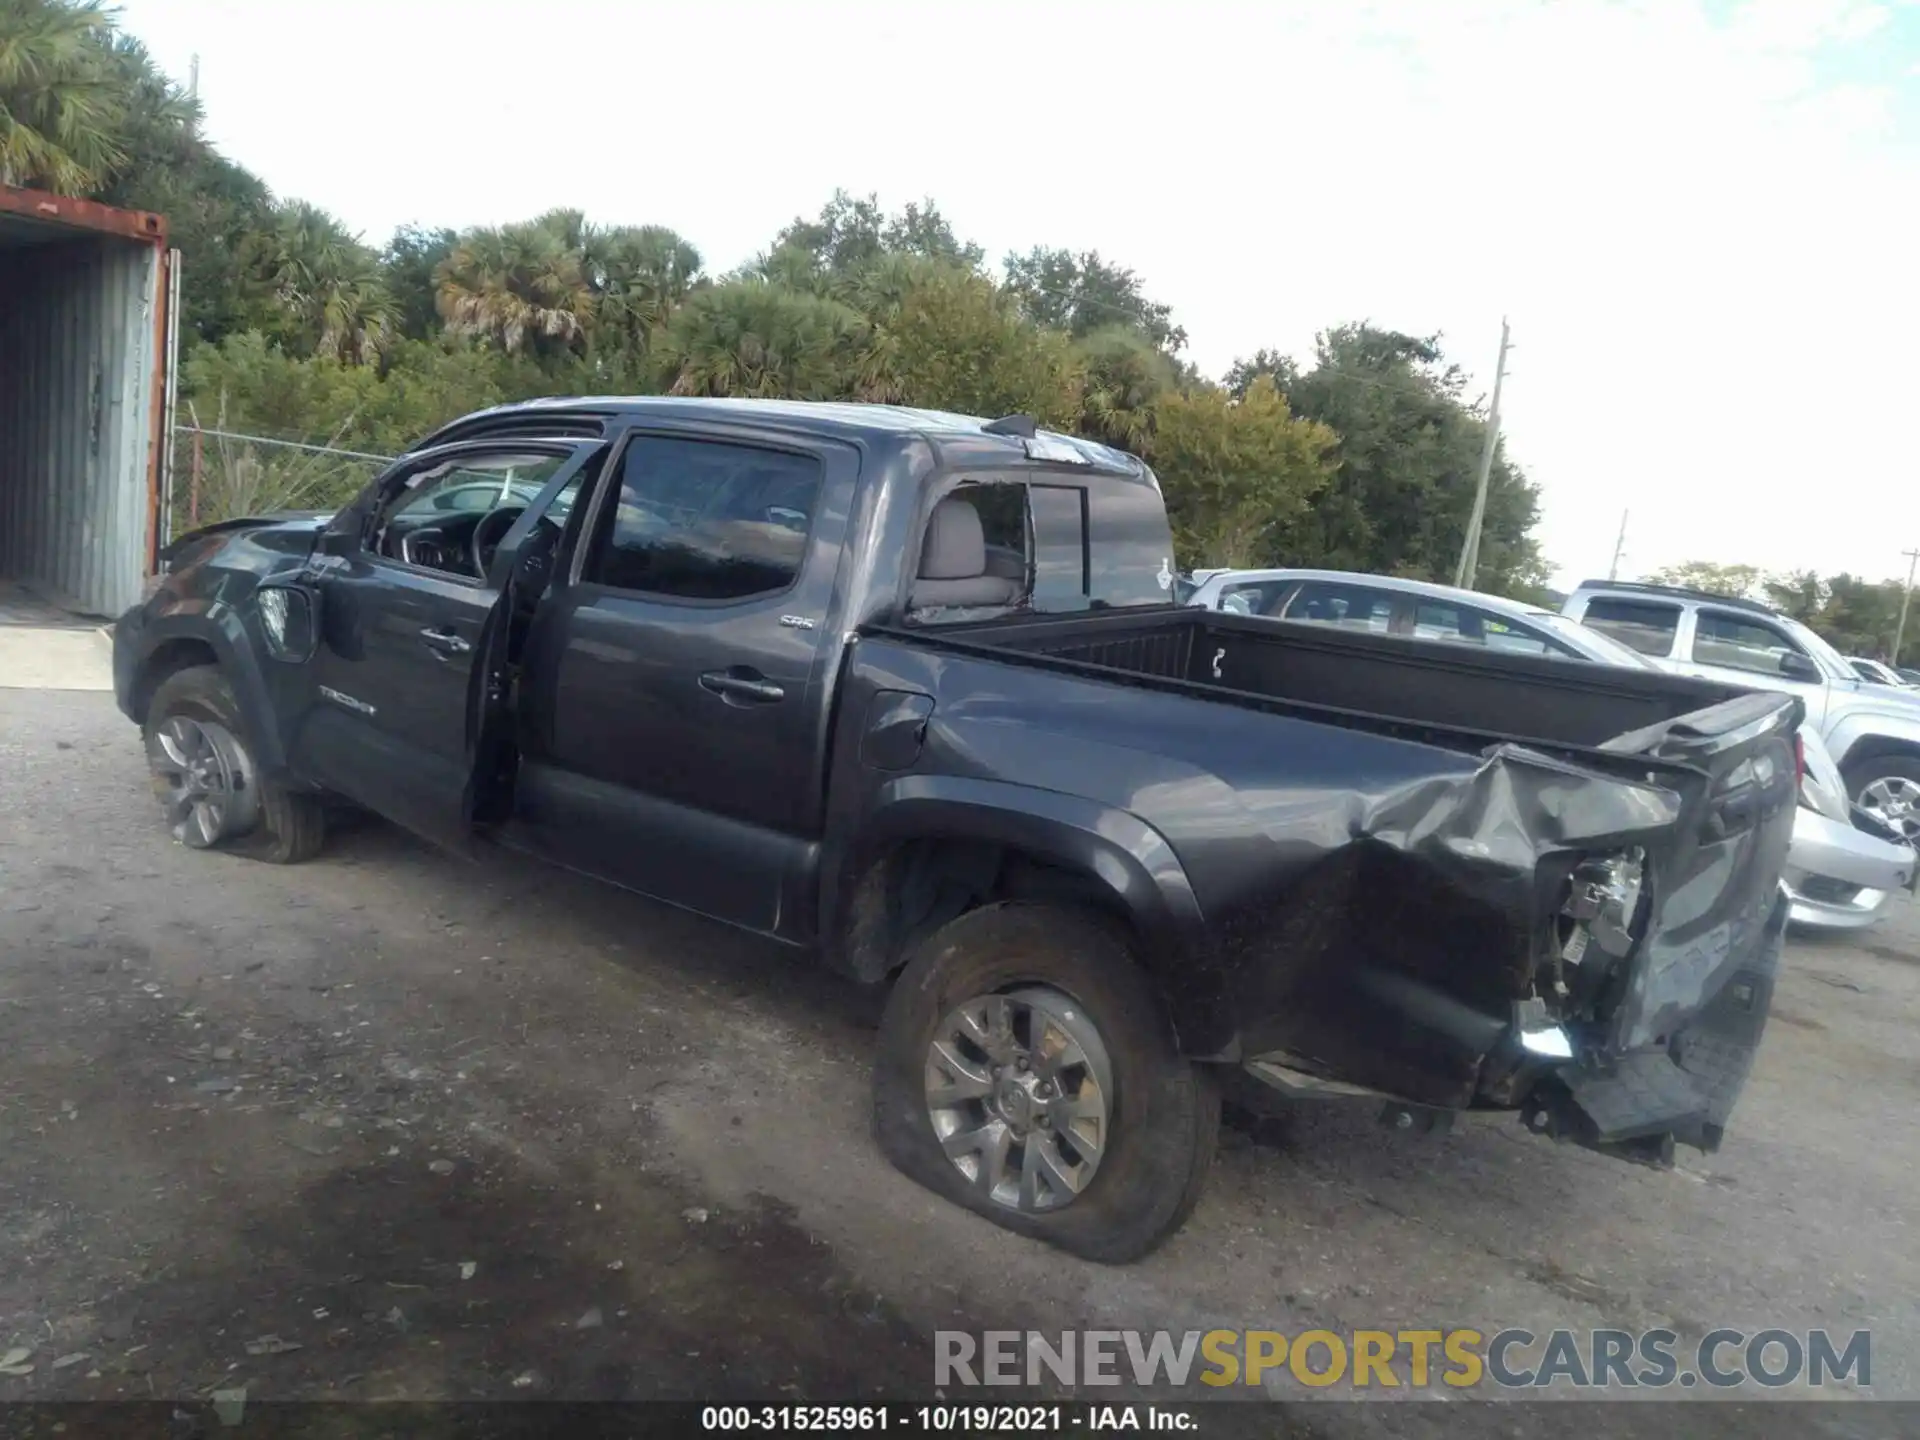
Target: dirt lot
(489,1131)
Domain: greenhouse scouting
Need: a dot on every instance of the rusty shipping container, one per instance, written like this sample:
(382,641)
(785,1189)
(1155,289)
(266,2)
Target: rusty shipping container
(86,349)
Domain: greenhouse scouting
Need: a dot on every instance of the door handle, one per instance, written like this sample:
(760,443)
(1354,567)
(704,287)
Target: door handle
(444,642)
(742,686)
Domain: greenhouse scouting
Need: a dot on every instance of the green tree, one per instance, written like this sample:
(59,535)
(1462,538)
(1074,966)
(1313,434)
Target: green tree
(944,336)
(410,262)
(850,234)
(1407,463)
(1860,616)
(556,286)
(639,276)
(63,96)
(1280,368)
(1240,476)
(1741,582)
(1083,293)
(330,289)
(1126,377)
(749,338)
(521,287)
(1800,593)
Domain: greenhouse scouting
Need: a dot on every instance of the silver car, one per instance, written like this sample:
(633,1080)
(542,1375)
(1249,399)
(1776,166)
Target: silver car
(1872,731)
(1838,875)
(1877,672)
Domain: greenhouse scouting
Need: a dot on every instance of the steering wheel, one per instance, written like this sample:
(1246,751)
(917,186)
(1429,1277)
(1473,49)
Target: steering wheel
(488,534)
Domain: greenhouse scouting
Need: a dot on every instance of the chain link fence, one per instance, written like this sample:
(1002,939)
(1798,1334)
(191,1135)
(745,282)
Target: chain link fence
(222,474)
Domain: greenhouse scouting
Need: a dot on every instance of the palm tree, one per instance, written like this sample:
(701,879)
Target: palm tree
(750,338)
(518,285)
(329,285)
(62,95)
(1126,375)
(640,276)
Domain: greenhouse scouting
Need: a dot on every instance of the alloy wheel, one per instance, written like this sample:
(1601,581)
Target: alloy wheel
(1894,801)
(1019,1090)
(204,779)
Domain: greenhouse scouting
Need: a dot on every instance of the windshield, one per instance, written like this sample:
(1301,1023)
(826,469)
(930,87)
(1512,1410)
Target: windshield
(1590,642)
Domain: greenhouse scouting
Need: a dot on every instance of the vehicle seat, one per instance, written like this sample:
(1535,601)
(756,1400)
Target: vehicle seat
(953,562)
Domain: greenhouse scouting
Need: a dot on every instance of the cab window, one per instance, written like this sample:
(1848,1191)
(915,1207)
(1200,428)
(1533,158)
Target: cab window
(1737,642)
(1644,625)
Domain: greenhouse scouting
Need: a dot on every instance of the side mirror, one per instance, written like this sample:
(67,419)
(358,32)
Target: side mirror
(1795,666)
(289,615)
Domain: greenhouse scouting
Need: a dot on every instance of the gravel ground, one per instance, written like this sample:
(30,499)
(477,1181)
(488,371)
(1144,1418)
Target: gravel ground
(394,1125)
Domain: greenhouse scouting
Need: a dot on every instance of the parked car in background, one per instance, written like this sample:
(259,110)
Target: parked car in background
(1387,605)
(1877,672)
(1873,731)
(1839,875)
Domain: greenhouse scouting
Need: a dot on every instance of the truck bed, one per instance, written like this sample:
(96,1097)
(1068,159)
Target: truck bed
(1459,697)
(1383,906)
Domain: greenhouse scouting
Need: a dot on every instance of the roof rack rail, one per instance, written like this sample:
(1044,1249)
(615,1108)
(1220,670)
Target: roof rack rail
(1641,587)
(505,423)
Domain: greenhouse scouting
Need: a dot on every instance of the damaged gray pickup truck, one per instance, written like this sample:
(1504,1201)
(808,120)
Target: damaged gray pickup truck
(910,690)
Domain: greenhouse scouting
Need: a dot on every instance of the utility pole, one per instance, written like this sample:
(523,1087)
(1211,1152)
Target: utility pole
(1619,548)
(1900,631)
(193,79)
(1470,551)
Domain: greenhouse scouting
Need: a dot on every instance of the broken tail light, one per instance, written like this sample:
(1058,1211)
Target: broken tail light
(1596,930)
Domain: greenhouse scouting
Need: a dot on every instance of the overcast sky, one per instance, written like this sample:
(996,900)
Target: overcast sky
(1700,218)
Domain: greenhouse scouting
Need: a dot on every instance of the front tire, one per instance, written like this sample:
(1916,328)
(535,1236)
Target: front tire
(208,781)
(1027,1071)
(1888,788)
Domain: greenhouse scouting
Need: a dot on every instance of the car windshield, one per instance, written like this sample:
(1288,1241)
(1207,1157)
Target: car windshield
(1589,642)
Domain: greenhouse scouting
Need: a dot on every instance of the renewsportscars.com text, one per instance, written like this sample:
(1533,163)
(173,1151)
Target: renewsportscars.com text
(1392,1359)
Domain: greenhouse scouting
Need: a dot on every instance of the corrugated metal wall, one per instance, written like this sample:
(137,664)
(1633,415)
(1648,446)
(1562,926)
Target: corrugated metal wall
(76,417)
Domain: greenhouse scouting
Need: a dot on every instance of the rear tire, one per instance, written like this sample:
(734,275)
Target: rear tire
(1888,786)
(260,820)
(1161,1113)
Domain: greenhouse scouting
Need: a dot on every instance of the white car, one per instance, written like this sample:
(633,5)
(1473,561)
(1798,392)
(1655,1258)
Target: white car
(1872,730)
(1877,672)
(1838,874)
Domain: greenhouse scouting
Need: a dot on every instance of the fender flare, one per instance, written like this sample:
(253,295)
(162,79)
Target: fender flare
(221,629)
(1870,732)
(1131,859)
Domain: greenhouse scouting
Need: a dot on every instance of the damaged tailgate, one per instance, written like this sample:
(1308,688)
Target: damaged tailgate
(1683,935)
(1588,936)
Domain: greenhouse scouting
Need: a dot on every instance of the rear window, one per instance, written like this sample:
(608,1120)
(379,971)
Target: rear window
(1647,626)
(1129,545)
